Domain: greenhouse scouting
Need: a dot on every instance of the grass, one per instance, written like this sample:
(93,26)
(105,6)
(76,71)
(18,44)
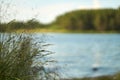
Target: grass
(23,59)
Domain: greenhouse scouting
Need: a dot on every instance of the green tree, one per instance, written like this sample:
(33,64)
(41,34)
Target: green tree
(13,25)
(31,24)
(100,20)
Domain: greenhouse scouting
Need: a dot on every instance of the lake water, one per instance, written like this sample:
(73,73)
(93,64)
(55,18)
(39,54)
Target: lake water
(77,54)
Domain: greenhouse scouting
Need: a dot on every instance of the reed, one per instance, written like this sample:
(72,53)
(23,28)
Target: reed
(21,58)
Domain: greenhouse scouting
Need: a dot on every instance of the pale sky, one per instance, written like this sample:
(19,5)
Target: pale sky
(47,10)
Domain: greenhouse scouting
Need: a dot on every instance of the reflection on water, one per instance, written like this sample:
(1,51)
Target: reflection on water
(78,54)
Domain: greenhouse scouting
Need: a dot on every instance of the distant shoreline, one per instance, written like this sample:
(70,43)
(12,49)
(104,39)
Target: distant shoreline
(60,31)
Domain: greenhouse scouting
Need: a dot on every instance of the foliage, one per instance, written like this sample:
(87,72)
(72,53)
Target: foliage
(21,58)
(79,20)
(30,24)
(99,20)
(3,27)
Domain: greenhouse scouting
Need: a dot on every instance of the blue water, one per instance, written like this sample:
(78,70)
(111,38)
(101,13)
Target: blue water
(78,53)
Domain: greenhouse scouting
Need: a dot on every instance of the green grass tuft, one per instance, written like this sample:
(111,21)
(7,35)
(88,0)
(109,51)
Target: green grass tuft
(23,59)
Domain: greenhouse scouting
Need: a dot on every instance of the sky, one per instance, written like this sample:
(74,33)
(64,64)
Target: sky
(46,11)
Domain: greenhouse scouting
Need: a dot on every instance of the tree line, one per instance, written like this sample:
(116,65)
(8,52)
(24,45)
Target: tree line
(99,20)
(94,19)
(16,25)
